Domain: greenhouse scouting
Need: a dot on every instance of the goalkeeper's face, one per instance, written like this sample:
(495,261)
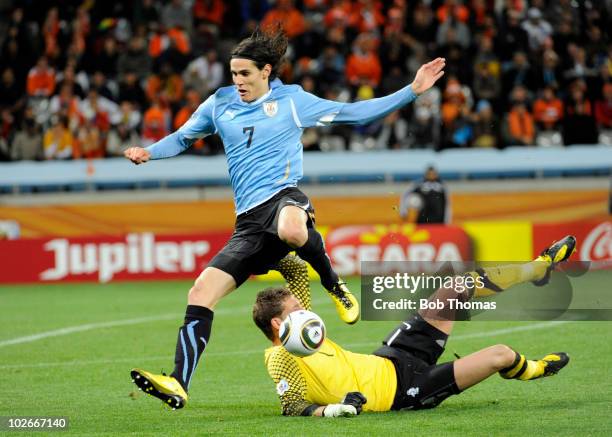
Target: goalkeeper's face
(290,304)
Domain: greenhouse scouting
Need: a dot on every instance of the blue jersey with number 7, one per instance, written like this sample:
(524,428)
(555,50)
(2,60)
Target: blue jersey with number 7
(262,138)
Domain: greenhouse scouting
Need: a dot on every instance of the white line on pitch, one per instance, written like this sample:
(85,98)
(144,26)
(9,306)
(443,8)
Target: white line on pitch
(534,327)
(110,324)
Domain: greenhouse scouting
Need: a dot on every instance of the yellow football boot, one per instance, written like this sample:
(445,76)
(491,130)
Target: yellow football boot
(163,387)
(346,304)
(558,252)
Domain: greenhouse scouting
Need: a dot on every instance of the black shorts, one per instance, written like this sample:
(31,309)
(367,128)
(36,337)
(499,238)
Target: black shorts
(414,347)
(254,247)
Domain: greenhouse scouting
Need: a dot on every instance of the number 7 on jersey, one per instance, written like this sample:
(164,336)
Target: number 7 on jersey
(250,130)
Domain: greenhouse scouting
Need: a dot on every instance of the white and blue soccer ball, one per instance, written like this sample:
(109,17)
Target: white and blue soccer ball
(302,333)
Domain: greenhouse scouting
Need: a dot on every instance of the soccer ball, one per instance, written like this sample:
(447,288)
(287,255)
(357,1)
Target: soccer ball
(302,333)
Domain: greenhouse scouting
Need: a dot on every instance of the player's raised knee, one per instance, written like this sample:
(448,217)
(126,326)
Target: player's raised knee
(293,234)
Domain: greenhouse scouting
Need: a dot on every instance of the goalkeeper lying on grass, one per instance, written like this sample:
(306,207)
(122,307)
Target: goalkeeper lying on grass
(403,373)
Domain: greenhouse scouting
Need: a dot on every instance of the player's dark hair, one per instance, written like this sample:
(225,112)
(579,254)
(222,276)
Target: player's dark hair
(263,48)
(269,304)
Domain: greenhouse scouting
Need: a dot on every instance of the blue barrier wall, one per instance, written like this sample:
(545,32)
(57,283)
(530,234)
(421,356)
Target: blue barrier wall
(380,166)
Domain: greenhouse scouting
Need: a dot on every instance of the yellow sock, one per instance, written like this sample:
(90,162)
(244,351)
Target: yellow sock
(497,279)
(524,369)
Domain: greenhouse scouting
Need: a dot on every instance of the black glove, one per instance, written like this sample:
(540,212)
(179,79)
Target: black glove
(356,399)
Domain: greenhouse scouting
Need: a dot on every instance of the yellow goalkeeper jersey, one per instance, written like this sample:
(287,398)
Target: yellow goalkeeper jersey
(326,376)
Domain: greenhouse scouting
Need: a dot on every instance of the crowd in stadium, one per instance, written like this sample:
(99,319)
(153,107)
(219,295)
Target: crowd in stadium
(86,79)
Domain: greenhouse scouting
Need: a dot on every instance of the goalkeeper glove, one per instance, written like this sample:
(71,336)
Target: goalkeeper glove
(339,410)
(351,406)
(356,399)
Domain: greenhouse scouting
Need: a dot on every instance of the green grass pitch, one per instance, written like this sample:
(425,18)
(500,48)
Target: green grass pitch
(83,373)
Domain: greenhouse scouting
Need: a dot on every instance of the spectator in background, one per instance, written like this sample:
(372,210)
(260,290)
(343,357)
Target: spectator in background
(579,68)
(331,68)
(517,72)
(131,91)
(394,133)
(146,12)
(175,49)
(58,141)
(452,32)
(67,77)
(603,108)
(538,29)
(426,201)
(363,65)
(167,84)
(90,141)
(120,138)
(155,123)
(287,16)
(27,143)
(512,37)
(422,26)
(209,12)
(41,79)
(486,82)
(519,126)
(548,74)
(100,109)
(204,73)
(108,59)
(135,59)
(65,104)
(424,126)
(579,126)
(176,14)
(106,87)
(455,115)
(367,16)
(487,131)
(453,10)
(548,109)
(11,94)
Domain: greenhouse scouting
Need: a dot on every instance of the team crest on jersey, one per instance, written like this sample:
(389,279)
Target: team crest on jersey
(270,108)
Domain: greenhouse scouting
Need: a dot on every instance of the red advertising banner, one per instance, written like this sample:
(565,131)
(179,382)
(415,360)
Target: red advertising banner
(103,259)
(347,246)
(141,256)
(594,239)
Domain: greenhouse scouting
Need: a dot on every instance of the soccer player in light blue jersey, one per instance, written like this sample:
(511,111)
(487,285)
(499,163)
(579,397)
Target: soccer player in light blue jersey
(260,121)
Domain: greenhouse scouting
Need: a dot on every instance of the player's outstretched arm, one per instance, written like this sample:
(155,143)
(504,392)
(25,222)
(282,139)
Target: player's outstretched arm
(198,126)
(314,111)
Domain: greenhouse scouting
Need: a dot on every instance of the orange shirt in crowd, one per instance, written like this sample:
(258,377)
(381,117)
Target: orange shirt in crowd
(213,13)
(292,21)
(154,123)
(521,125)
(549,112)
(41,82)
(365,66)
(459,12)
(171,88)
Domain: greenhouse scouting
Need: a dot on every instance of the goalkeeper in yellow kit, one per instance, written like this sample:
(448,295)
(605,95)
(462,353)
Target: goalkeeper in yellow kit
(403,373)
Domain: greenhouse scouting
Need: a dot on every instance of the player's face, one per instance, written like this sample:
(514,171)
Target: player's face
(251,82)
(290,305)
